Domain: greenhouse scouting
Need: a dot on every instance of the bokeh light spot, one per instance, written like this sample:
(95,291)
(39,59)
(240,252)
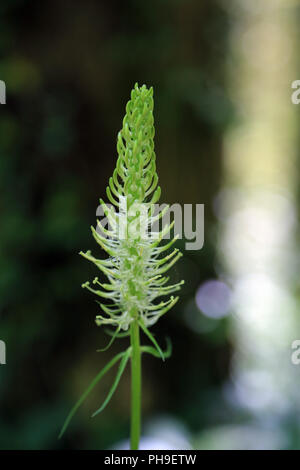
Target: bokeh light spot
(213,298)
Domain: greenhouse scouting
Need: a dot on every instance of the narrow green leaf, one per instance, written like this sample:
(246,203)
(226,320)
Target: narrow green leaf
(150,350)
(123,334)
(115,334)
(151,337)
(116,382)
(90,388)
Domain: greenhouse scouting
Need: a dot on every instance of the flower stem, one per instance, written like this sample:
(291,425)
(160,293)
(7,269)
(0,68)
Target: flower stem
(136,381)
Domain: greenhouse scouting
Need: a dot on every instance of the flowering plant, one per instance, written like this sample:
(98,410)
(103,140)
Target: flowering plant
(136,262)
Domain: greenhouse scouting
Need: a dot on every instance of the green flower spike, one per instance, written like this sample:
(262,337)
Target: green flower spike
(137,263)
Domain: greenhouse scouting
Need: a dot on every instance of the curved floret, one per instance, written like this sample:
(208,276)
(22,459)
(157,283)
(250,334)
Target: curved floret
(137,261)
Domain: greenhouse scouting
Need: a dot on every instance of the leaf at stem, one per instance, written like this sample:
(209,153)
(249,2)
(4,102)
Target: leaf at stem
(123,334)
(115,334)
(90,388)
(151,337)
(167,353)
(116,382)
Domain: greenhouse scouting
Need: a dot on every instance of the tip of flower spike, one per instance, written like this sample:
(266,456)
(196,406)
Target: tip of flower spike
(142,88)
(85,285)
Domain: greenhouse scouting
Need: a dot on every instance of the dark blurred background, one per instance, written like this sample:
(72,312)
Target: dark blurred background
(69,68)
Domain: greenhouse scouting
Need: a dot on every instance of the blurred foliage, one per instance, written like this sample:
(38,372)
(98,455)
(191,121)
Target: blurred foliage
(69,67)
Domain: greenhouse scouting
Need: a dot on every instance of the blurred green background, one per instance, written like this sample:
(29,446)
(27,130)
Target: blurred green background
(69,68)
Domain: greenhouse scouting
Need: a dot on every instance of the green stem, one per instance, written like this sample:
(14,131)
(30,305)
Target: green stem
(136,381)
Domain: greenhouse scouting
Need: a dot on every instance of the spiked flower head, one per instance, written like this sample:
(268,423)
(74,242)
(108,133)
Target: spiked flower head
(136,265)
